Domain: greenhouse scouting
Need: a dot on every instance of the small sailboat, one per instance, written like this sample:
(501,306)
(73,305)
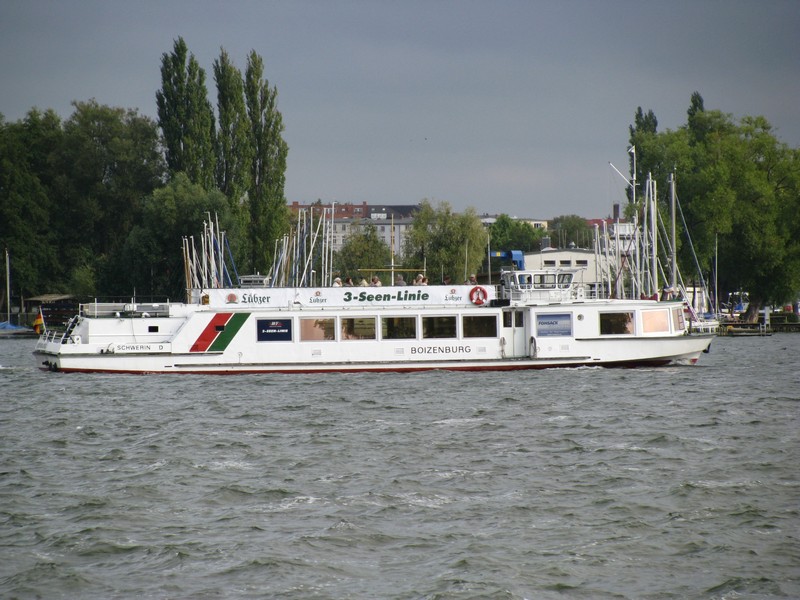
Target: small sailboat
(7,328)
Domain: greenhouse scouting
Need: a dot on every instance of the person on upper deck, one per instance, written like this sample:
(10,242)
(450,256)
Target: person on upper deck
(398,280)
(375,282)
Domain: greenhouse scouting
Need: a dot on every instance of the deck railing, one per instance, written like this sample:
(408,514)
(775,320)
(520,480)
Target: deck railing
(123,309)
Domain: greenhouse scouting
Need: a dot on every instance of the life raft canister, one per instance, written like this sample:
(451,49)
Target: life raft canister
(477,295)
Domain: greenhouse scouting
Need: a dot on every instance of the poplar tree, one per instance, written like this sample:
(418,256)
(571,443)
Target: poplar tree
(269,216)
(644,128)
(186,117)
(234,152)
(234,148)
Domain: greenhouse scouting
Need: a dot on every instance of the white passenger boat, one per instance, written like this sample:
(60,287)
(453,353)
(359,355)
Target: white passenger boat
(533,319)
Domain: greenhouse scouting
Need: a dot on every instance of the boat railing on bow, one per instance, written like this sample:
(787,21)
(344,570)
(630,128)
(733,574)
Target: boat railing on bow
(99,310)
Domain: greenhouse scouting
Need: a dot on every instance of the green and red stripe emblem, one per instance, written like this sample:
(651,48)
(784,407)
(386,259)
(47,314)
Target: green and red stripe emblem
(219,332)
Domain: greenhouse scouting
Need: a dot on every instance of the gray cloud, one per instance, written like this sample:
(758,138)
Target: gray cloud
(510,106)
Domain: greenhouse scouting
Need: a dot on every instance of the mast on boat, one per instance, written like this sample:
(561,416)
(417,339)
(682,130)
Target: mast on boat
(8,288)
(674,253)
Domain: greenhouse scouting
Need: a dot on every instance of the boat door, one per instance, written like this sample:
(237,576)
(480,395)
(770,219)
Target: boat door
(515,326)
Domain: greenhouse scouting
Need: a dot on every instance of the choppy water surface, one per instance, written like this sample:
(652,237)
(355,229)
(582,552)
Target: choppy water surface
(677,482)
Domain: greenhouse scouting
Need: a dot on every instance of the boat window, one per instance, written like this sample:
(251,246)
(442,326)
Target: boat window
(617,323)
(554,325)
(398,328)
(315,330)
(564,280)
(655,321)
(517,318)
(152,329)
(482,326)
(438,327)
(358,328)
(546,281)
(677,319)
(274,330)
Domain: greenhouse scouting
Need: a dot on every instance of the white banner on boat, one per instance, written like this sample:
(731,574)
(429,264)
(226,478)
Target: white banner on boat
(457,295)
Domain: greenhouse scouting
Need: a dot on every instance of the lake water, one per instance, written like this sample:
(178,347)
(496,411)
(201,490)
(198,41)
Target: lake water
(678,482)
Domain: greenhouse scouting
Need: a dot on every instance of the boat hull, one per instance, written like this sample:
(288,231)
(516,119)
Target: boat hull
(608,353)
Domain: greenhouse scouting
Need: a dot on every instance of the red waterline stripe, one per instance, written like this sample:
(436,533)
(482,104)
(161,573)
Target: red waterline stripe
(210,333)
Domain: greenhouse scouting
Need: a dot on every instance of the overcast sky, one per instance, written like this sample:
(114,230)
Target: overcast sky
(513,107)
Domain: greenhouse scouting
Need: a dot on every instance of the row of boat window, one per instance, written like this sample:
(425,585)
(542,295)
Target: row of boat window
(405,328)
(653,321)
(545,281)
(397,328)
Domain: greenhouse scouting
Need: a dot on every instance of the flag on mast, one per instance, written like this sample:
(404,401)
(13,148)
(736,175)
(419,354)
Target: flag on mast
(38,323)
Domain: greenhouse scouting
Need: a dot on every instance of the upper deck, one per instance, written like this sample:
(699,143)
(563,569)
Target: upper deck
(515,288)
(540,286)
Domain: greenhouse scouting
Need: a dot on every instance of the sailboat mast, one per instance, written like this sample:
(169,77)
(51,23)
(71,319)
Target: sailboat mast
(8,288)
(653,237)
(716,274)
(674,257)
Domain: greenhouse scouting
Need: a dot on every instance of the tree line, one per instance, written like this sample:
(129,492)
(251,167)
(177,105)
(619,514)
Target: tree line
(738,187)
(96,205)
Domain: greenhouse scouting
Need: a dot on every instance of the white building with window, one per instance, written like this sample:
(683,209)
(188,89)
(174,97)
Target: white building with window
(391,231)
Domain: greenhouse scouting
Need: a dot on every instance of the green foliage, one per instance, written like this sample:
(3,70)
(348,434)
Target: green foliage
(82,207)
(24,203)
(511,234)
(568,229)
(445,242)
(151,261)
(269,216)
(71,191)
(363,249)
(738,186)
(245,158)
(234,142)
(186,117)
(83,281)
(234,150)
(114,158)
